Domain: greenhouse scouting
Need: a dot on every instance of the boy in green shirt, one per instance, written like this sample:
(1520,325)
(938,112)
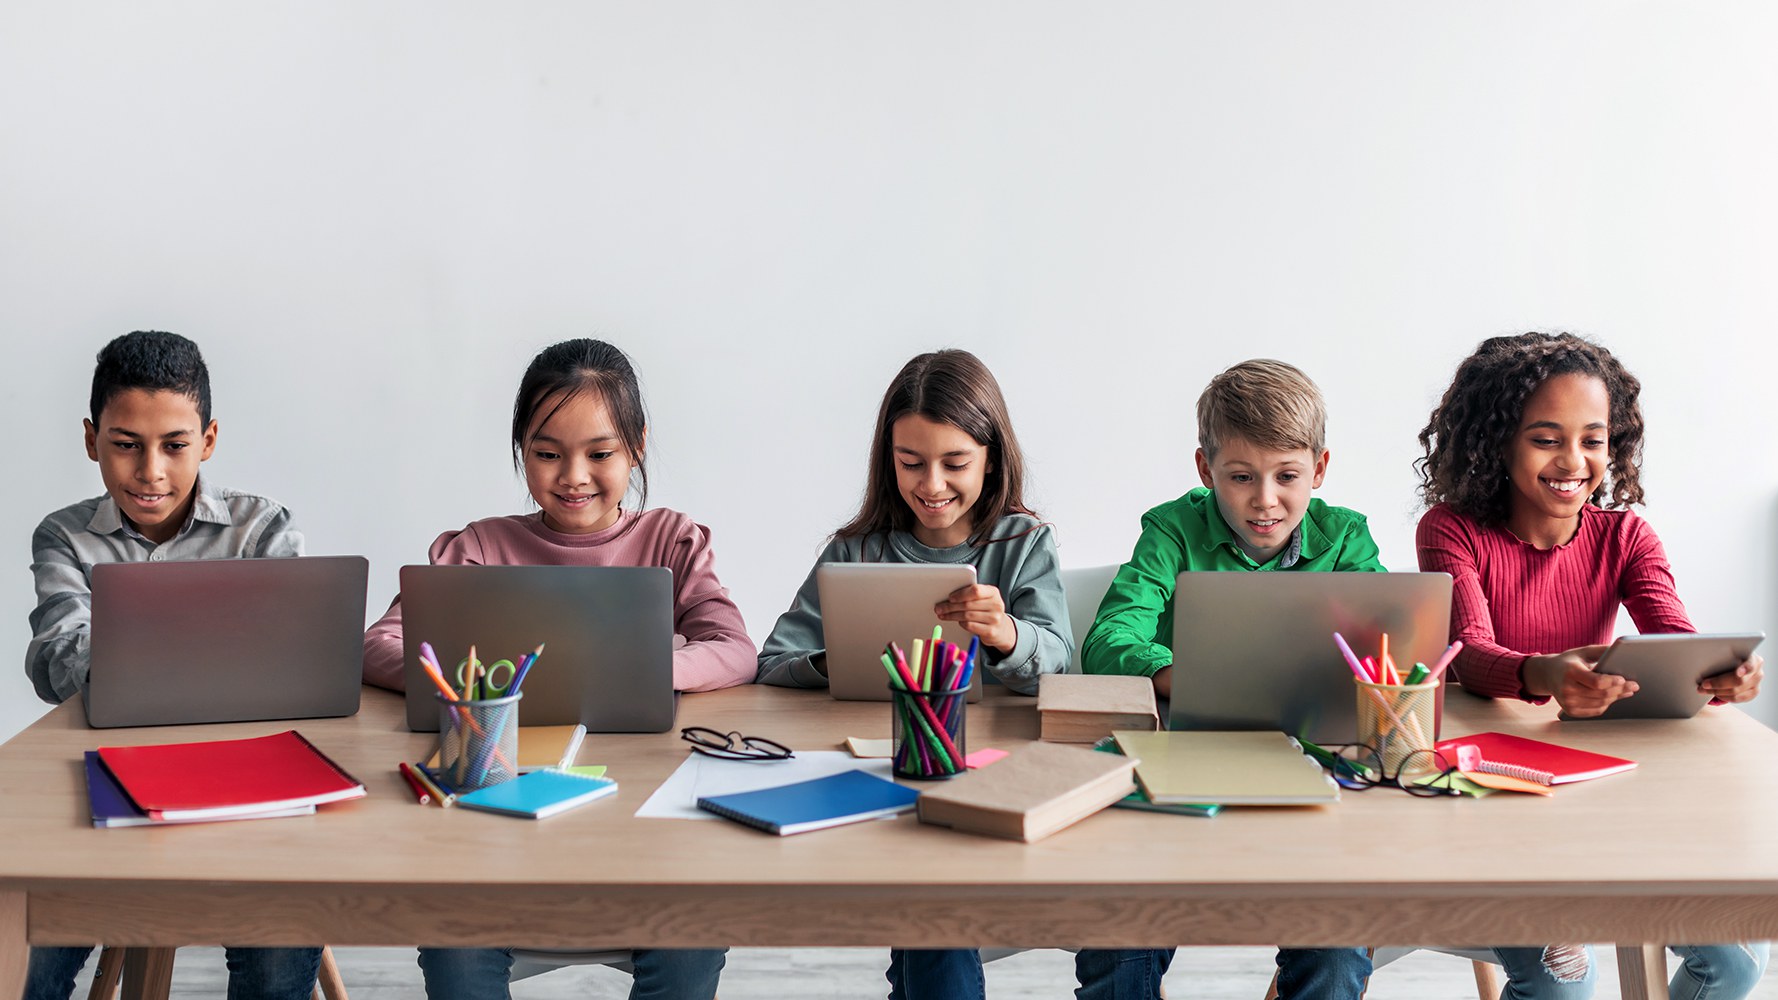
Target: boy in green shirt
(1261,452)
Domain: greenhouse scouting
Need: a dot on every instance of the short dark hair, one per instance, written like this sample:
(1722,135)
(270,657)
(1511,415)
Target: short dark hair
(1465,440)
(152,360)
(572,368)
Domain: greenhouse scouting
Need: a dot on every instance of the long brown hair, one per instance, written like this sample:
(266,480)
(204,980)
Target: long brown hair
(1465,440)
(951,387)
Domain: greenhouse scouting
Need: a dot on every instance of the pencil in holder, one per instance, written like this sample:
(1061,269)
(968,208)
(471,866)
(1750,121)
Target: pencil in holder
(1397,722)
(478,741)
(928,732)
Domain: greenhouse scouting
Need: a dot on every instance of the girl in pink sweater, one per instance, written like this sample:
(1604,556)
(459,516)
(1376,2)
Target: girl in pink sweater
(578,433)
(1532,461)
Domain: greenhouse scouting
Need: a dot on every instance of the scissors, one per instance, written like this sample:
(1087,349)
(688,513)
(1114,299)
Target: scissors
(491,684)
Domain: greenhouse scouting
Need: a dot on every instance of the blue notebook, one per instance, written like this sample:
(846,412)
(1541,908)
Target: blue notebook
(847,797)
(111,807)
(539,794)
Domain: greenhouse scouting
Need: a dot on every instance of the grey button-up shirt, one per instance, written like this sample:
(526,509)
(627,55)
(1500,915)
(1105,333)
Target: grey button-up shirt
(224,524)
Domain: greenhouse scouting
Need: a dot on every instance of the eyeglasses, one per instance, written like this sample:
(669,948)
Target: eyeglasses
(733,746)
(1422,773)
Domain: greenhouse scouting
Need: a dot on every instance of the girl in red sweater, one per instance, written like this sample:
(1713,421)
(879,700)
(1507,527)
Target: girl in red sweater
(1532,461)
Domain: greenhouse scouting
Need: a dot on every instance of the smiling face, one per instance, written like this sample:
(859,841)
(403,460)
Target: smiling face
(1558,458)
(576,465)
(1262,493)
(148,445)
(939,472)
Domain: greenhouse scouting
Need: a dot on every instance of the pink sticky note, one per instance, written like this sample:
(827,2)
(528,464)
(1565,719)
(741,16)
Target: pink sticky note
(982,758)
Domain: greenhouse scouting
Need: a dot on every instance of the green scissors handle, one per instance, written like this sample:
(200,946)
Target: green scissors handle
(491,683)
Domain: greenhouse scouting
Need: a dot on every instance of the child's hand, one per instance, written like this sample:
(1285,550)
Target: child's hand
(979,609)
(1739,684)
(1569,678)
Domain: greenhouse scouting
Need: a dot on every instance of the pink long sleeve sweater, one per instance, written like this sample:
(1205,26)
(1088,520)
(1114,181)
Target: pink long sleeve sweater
(717,652)
(1511,600)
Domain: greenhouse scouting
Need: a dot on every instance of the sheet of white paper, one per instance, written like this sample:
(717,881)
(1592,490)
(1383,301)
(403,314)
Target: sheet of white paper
(677,797)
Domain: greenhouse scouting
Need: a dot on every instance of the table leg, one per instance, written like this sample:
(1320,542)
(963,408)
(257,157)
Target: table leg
(15,954)
(1642,971)
(147,973)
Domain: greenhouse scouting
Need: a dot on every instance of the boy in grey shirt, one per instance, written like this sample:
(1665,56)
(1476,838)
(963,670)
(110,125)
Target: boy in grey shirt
(150,428)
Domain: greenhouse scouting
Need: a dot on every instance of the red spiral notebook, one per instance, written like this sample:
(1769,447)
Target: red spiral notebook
(1533,760)
(224,778)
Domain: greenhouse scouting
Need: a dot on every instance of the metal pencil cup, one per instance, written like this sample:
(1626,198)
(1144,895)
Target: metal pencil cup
(928,734)
(1396,721)
(478,741)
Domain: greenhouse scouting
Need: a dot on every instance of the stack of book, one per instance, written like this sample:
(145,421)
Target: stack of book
(1084,708)
(258,778)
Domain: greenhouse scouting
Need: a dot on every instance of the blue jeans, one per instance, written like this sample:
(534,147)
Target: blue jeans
(253,973)
(661,973)
(1559,972)
(1717,970)
(1120,973)
(1322,973)
(935,974)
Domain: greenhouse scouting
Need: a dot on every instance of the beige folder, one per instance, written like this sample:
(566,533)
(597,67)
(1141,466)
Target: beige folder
(1226,768)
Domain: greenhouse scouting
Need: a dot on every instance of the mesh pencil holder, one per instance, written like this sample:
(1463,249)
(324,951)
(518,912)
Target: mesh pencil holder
(928,732)
(478,741)
(1396,722)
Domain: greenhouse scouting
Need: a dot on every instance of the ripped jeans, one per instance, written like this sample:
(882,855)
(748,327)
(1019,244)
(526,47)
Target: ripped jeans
(1706,972)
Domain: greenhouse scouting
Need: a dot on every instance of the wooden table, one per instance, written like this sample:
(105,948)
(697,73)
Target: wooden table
(1681,849)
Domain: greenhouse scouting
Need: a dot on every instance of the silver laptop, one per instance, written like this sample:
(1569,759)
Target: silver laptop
(226,640)
(608,664)
(865,606)
(1256,650)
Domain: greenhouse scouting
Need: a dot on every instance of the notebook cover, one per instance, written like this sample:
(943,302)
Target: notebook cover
(1139,800)
(538,795)
(1035,791)
(1561,764)
(1226,768)
(226,777)
(111,807)
(846,797)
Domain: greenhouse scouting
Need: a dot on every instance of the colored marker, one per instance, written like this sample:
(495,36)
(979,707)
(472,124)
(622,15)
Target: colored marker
(1351,659)
(1444,661)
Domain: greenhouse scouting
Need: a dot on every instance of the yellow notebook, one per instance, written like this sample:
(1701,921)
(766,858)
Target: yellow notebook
(542,746)
(1234,769)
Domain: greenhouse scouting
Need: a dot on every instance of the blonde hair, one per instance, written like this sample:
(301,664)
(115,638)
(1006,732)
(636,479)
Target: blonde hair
(1268,402)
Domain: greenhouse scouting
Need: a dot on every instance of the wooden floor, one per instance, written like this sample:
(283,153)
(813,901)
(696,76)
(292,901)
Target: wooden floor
(857,974)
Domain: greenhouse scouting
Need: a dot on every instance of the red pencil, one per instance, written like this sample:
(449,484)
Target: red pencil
(407,774)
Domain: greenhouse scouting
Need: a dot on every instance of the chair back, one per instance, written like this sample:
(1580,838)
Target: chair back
(1084,589)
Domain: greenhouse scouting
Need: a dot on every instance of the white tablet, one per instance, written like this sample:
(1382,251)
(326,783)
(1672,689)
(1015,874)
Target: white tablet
(1668,668)
(867,605)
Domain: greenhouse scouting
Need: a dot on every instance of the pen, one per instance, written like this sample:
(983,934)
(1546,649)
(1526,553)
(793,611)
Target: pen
(518,676)
(420,794)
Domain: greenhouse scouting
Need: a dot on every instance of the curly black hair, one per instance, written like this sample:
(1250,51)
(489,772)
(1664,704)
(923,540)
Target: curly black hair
(153,360)
(1466,438)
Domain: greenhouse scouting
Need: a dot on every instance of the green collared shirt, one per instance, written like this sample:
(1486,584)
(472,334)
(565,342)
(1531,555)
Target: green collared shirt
(1133,631)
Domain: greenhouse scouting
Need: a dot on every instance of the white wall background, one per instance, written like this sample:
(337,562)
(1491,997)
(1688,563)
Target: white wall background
(370,216)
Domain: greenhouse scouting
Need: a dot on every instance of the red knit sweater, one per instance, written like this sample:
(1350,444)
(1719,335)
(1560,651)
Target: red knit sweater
(1511,600)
